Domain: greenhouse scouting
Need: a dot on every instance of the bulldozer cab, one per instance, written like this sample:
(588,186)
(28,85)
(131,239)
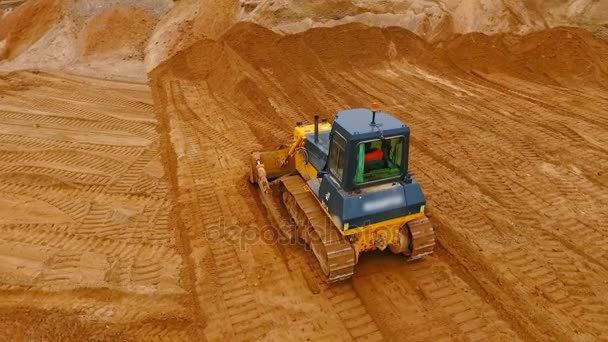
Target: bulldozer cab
(363,154)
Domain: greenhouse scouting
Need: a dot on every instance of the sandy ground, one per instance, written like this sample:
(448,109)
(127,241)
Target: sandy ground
(84,212)
(126,213)
(511,157)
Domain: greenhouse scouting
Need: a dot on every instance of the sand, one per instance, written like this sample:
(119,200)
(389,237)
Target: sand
(97,38)
(157,29)
(118,30)
(126,211)
(20,34)
(508,147)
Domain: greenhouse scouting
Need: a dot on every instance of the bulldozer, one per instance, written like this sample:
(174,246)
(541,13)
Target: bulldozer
(346,189)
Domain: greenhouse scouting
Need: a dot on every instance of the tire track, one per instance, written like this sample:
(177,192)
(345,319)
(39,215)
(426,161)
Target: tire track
(242,317)
(50,144)
(132,174)
(117,242)
(539,275)
(66,157)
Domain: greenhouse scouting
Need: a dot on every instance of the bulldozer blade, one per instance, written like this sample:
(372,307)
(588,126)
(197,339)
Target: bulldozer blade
(273,164)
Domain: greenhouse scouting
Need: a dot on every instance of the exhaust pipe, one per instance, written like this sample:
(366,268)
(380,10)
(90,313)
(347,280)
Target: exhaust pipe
(316,128)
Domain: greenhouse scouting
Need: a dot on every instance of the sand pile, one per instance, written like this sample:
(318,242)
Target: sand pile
(17,33)
(561,56)
(240,63)
(188,22)
(432,20)
(113,42)
(425,18)
(123,30)
(174,32)
(94,36)
(101,38)
(573,12)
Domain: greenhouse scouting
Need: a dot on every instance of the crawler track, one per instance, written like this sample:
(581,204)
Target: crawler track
(422,237)
(334,253)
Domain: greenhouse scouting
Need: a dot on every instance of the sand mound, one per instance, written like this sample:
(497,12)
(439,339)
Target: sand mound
(173,32)
(120,30)
(91,8)
(110,32)
(188,22)
(17,31)
(297,62)
(55,49)
(578,12)
(427,19)
(102,38)
(564,56)
(432,20)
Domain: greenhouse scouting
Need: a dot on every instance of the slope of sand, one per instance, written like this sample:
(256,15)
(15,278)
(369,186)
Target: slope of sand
(117,30)
(188,22)
(26,25)
(101,38)
(433,20)
(509,147)
(165,28)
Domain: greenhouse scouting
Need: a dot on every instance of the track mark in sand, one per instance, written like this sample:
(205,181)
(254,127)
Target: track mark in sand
(65,157)
(146,271)
(163,331)
(132,174)
(216,126)
(532,206)
(239,300)
(440,306)
(472,317)
(76,209)
(564,281)
(96,120)
(353,313)
(242,317)
(81,179)
(50,144)
(116,235)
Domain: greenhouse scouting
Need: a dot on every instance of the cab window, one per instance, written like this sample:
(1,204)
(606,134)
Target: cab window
(337,156)
(379,159)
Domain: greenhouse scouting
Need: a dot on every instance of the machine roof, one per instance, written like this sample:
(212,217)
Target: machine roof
(357,122)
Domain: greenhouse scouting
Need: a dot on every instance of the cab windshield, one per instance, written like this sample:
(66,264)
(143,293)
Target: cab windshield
(379,159)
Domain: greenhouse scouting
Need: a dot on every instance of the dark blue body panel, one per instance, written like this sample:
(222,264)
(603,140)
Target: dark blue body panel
(378,204)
